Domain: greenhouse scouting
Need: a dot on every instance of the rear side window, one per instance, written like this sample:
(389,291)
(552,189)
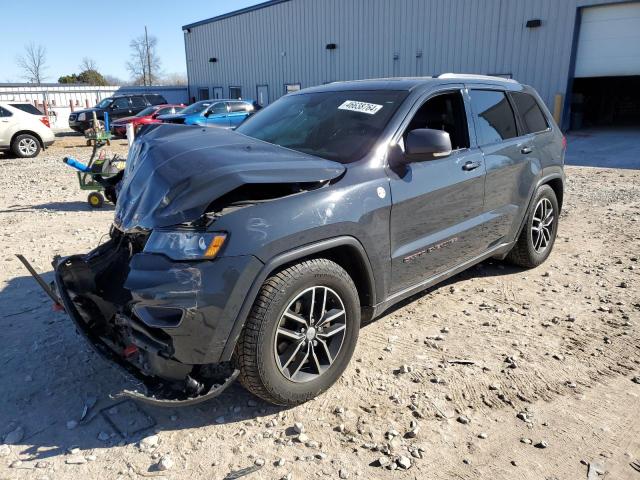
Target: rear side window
(493,116)
(138,102)
(155,99)
(27,108)
(5,113)
(239,107)
(530,112)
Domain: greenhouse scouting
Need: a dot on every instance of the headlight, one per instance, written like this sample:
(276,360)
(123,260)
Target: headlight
(82,116)
(186,245)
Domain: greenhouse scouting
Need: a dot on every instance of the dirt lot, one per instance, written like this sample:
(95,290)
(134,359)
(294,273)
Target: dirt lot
(500,373)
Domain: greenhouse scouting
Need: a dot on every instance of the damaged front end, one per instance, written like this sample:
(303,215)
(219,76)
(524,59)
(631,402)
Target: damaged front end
(132,332)
(162,297)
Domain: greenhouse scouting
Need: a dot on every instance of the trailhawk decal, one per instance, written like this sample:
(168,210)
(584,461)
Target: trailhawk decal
(362,107)
(438,246)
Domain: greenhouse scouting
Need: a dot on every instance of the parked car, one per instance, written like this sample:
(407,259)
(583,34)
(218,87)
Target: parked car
(212,113)
(24,129)
(118,106)
(146,116)
(257,253)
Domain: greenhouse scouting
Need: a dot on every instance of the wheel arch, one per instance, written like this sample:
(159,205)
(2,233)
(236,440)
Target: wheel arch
(26,132)
(346,251)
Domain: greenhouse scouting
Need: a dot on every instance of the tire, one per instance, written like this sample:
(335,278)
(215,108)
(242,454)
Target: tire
(262,350)
(529,251)
(95,200)
(25,146)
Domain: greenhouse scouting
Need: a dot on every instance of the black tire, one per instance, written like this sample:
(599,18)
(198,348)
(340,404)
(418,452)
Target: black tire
(25,146)
(524,253)
(256,350)
(95,200)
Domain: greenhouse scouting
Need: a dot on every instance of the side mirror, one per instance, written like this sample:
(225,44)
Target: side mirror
(426,144)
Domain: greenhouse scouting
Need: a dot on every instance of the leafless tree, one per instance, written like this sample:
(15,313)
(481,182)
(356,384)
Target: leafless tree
(175,79)
(33,62)
(88,64)
(144,64)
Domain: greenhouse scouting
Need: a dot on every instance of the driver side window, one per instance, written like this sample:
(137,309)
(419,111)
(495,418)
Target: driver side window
(121,103)
(443,112)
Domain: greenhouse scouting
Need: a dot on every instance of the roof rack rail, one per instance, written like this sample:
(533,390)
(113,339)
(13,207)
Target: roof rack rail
(475,77)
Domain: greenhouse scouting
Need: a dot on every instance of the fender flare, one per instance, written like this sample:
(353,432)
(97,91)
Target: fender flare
(542,181)
(289,257)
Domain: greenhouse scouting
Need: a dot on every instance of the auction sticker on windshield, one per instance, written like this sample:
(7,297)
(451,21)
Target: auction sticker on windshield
(362,107)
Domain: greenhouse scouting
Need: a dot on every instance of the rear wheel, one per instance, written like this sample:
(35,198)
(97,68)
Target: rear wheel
(25,146)
(539,233)
(300,334)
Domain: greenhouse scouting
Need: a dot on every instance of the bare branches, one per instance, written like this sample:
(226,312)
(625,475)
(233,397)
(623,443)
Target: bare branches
(33,62)
(144,63)
(88,64)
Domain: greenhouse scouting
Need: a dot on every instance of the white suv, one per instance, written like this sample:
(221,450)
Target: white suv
(23,129)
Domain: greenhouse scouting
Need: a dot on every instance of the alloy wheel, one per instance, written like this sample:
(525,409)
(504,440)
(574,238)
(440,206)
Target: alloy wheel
(542,225)
(27,146)
(310,334)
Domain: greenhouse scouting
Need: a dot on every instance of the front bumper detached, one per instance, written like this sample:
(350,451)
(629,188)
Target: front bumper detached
(165,324)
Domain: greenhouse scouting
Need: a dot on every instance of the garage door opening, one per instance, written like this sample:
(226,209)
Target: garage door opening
(605,101)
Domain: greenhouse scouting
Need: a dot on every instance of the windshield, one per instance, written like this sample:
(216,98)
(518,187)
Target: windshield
(196,107)
(341,126)
(104,103)
(147,111)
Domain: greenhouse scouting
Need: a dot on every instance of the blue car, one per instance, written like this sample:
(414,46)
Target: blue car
(212,113)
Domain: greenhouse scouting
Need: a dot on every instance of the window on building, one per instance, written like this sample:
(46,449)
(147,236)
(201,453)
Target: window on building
(235,92)
(203,94)
(444,112)
(291,87)
(530,112)
(493,115)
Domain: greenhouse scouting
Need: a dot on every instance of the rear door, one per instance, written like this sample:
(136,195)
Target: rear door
(238,111)
(218,115)
(437,210)
(509,159)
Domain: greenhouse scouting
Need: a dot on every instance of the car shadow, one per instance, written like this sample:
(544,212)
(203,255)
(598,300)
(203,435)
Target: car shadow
(73,206)
(63,395)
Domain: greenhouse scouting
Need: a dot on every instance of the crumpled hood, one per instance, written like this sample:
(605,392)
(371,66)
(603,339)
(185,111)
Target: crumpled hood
(174,172)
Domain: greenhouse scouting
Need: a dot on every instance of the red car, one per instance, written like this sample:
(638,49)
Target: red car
(148,115)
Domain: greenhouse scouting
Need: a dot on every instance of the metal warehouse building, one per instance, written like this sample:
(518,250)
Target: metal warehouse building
(583,56)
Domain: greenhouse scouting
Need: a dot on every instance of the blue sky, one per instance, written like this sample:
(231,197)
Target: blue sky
(72,29)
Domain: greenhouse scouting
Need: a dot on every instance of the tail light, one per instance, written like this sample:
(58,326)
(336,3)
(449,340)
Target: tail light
(45,120)
(564,142)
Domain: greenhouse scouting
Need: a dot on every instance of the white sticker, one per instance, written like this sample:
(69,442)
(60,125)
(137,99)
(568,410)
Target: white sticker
(382,192)
(362,107)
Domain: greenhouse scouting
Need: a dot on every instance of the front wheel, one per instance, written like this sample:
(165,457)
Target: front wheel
(538,235)
(300,334)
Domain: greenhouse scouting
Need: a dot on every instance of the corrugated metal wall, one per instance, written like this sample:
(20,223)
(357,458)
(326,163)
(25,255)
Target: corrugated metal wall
(285,43)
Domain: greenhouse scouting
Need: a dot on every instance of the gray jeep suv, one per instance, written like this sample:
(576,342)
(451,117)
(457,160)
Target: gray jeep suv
(257,253)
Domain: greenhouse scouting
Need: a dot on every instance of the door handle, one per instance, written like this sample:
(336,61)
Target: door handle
(526,150)
(467,167)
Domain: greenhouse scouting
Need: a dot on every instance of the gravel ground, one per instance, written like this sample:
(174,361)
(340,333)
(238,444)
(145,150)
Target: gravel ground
(499,373)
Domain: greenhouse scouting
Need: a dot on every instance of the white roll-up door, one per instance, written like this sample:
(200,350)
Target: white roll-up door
(609,41)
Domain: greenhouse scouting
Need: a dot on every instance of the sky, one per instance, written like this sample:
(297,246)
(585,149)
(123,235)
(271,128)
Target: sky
(73,29)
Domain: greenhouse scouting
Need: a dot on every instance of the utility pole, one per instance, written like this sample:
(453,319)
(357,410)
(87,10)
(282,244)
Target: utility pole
(146,46)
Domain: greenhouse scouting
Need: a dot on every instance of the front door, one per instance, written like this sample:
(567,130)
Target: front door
(218,115)
(217,93)
(437,211)
(121,107)
(6,125)
(263,95)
